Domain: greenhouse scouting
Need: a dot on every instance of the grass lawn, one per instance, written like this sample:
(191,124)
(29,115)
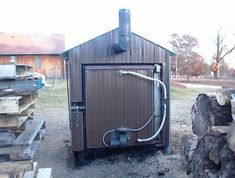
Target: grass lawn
(54,95)
(181,93)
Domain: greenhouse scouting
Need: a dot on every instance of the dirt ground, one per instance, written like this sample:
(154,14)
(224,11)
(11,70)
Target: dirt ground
(54,150)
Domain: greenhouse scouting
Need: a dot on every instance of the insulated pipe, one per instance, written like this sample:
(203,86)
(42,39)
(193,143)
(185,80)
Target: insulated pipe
(165,97)
(156,110)
(122,72)
(158,131)
(157,99)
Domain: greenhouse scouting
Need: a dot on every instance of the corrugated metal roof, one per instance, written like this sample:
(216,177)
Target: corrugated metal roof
(31,43)
(65,53)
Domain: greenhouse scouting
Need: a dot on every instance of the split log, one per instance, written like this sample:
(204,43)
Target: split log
(188,145)
(227,158)
(231,136)
(206,159)
(219,130)
(223,96)
(211,157)
(206,112)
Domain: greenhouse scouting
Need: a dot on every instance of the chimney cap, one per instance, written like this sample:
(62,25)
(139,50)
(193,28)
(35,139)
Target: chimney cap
(124,10)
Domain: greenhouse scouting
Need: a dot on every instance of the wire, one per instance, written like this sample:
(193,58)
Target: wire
(103,138)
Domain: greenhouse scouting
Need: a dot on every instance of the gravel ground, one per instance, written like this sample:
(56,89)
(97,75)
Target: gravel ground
(54,150)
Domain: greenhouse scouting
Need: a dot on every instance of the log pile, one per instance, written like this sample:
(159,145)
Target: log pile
(210,151)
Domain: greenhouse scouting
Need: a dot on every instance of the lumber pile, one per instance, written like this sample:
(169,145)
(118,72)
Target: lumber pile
(20,132)
(210,151)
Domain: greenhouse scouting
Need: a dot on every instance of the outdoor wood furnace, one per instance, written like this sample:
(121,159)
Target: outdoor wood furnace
(118,87)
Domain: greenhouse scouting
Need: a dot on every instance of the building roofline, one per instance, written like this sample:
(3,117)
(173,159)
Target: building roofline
(22,54)
(65,53)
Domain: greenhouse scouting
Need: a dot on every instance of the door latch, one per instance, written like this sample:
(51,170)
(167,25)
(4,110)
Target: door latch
(76,110)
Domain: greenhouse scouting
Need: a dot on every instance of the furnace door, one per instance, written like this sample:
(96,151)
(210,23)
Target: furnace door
(114,101)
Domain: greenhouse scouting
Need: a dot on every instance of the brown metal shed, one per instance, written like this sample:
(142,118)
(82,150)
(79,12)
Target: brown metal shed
(110,99)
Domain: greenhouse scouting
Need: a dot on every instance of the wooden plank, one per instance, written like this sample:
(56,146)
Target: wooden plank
(7,71)
(24,152)
(13,121)
(16,166)
(4,92)
(9,104)
(14,151)
(44,173)
(5,150)
(19,86)
(30,132)
(6,138)
(28,111)
(40,134)
(17,104)
(26,106)
(19,175)
(30,174)
(5,175)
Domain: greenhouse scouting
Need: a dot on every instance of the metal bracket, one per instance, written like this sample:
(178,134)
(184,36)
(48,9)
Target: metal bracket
(77,109)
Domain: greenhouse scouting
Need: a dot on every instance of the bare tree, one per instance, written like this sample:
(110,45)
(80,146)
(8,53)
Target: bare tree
(221,52)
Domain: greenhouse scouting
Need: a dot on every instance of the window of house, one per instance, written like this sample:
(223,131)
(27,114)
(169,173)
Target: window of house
(38,62)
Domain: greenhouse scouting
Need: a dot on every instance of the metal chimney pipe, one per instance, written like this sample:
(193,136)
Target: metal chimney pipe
(124,34)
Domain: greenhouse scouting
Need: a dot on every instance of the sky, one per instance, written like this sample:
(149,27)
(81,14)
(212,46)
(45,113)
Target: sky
(82,20)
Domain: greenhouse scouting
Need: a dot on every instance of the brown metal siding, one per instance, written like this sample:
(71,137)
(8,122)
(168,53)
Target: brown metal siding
(100,51)
(114,101)
(77,132)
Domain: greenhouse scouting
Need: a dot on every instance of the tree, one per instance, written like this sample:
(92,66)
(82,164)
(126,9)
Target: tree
(221,52)
(183,46)
(197,65)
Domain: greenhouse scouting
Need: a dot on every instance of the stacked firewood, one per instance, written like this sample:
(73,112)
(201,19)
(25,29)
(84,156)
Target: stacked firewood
(210,151)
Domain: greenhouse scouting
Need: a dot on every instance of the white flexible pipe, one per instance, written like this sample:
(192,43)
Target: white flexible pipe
(147,78)
(158,131)
(138,129)
(165,97)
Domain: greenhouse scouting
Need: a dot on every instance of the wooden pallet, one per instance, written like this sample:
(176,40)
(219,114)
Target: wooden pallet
(13,71)
(23,169)
(26,144)
(15,121)
(8,167)
(15,105)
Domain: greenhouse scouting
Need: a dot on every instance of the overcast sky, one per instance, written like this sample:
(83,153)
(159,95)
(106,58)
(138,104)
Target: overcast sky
(155,20)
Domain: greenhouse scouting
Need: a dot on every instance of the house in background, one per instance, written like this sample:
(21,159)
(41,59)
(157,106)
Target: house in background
(41,51)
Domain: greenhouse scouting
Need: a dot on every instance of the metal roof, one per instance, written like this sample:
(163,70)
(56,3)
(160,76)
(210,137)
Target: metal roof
(20,44)
(65,53)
